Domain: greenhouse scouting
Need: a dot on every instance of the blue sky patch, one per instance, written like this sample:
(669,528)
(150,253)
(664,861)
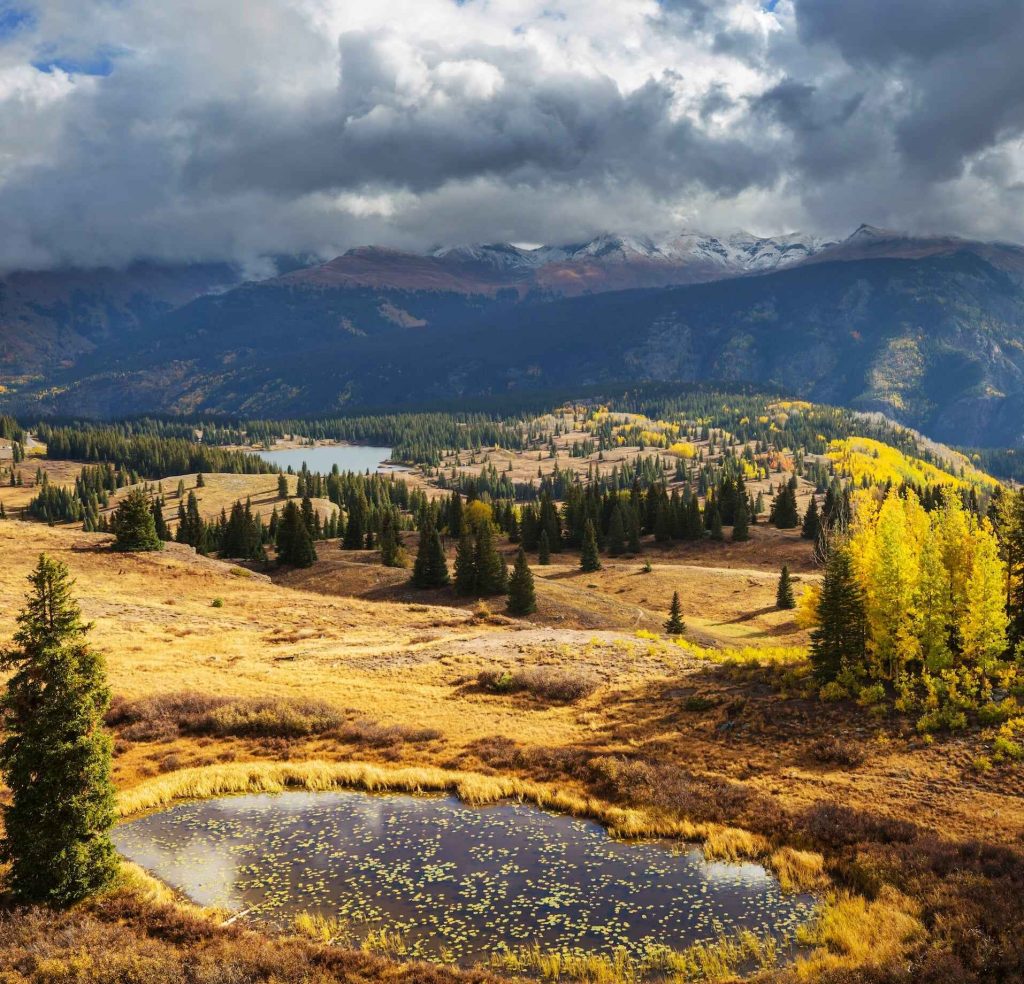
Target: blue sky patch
(99,62)
(14,19)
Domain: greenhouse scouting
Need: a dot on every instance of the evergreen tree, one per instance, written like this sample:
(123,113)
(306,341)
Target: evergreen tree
(675,624)
(465,565)
(390,549)
(491,572)
(160,526)
(716,524)
(812,521)
(543,549)
(282,486)
(634,545)
(741,520)
(590,561)
(783,513)
(134,529)
(430,569)
(522,597)
(294,544)
(839,641)
(200,481)
(784,593)
(616,533)
(55,756)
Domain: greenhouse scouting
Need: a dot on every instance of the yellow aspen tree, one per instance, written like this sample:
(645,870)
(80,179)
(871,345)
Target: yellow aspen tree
(983,628)
(954,531)
(933,603)
(894,575)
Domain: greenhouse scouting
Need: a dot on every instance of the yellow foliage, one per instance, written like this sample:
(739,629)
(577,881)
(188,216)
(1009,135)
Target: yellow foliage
(862,457)
(853,931)
(683,449)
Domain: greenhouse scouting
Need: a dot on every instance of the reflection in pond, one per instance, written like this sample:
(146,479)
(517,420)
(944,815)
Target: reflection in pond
(451,877)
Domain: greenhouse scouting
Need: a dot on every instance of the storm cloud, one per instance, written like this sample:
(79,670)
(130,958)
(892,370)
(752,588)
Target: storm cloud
(245,128)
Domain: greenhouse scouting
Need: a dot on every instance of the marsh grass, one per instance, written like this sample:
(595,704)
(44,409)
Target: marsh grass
(851,930)
(718,960)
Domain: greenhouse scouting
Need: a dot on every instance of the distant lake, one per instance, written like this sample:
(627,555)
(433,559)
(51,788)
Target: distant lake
(453,878)
(348,457)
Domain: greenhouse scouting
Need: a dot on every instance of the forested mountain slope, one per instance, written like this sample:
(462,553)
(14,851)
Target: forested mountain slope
(937,343)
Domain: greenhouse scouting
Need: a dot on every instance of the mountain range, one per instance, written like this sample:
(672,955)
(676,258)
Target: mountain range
(928,329)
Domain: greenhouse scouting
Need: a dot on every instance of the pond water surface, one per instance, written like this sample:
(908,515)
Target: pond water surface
(455,880)
(323,457)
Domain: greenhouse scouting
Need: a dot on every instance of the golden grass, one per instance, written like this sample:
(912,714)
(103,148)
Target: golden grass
(798,870)
(718,960)
(852,931)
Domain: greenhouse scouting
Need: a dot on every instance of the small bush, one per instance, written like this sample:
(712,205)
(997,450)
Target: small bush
(1009,743)
(217,603)
(546,683)
(835,751)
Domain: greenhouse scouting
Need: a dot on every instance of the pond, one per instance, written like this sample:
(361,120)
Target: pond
(323,457)
(456,881)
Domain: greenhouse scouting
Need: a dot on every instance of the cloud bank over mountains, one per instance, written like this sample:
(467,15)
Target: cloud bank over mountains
(244,128)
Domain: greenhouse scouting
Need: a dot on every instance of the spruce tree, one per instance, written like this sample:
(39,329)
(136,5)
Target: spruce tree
(134,529)
(390,548)
(55,756)
(491,572)
(839,640)
(675,624)
(716,524)
(616,533)
(784,514)
(465,565)
(159,523)
(784,593)
(294,544)
(430,569)
(543,549)
(812,521)
(590,561)
(522,596)
(282,486)
(741,521)
(634,531)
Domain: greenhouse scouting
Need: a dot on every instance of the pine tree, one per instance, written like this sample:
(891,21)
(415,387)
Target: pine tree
(838,642)
(134,528)
(741,521)
(590,561)
(430,569)
(543,549)
(55,756)
(294,544)
(522,597)
(200,481)
(675,624)
(784,593)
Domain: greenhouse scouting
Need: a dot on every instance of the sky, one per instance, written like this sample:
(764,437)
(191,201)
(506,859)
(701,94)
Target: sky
(200,130)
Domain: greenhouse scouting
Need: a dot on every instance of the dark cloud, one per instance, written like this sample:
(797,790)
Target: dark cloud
(249,127)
